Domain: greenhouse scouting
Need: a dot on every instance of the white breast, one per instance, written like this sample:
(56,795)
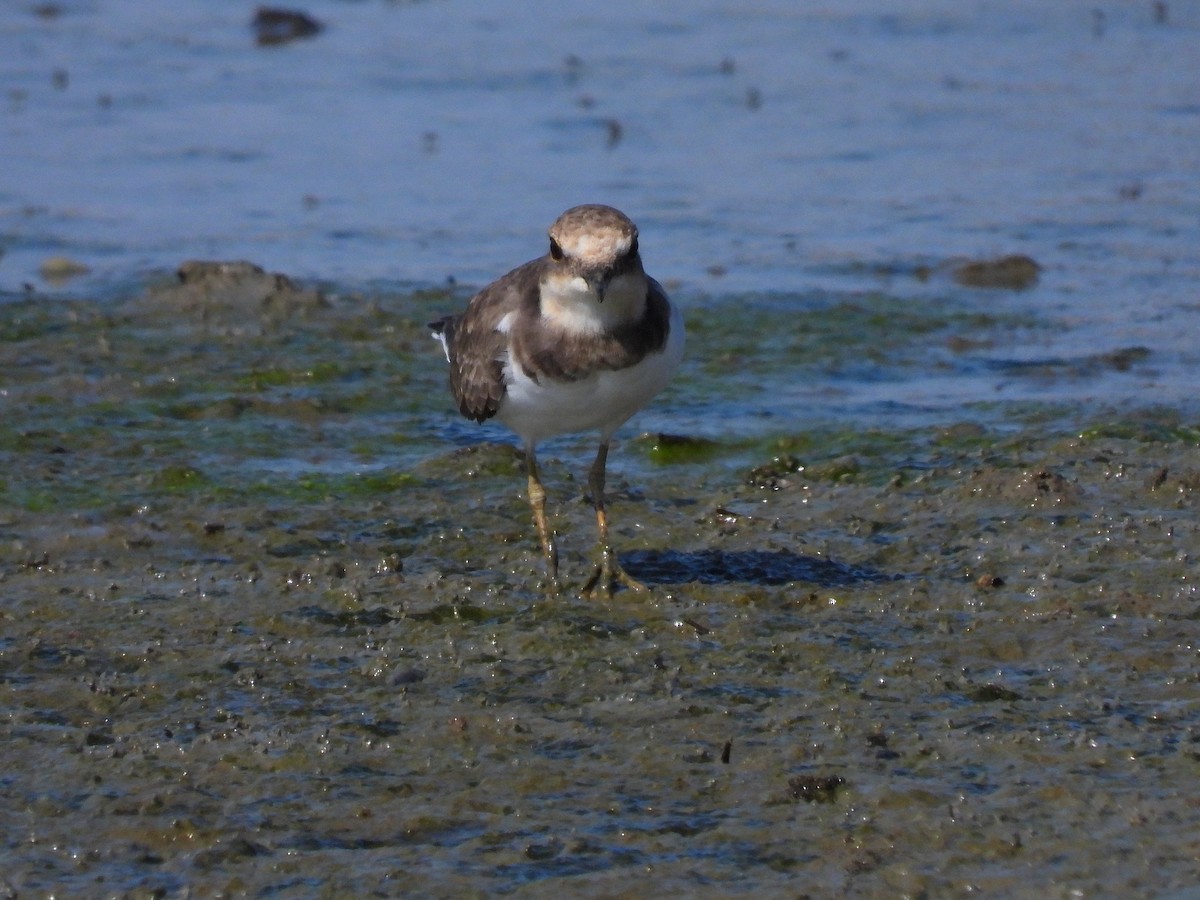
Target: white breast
(601,402)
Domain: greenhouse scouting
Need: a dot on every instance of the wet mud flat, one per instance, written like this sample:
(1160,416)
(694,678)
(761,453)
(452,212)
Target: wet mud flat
(270,625)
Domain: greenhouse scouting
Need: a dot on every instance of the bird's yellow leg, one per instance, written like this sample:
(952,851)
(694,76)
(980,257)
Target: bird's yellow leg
(608,572)
(537,502)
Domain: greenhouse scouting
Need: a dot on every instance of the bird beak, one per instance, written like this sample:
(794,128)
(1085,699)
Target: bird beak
(599,284)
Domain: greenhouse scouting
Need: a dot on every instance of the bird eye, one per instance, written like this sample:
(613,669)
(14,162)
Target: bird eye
(556,252)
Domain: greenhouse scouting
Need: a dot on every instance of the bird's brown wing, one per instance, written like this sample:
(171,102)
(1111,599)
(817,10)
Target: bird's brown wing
(477,349)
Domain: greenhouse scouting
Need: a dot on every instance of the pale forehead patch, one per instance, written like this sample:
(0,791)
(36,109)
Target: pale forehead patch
(602,246)
(594,233)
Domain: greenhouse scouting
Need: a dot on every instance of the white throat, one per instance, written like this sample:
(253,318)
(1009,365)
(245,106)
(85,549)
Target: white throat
(570,304)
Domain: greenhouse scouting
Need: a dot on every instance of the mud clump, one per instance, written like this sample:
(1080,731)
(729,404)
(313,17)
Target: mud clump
(217,291)
(1016,272)
(58,269)
(1034,488)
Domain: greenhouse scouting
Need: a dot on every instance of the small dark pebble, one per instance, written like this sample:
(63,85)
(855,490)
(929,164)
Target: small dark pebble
(815,788)
(228,850)
(726,517)
(391,564)
(615,132)
(274,26)
(1158,479)
(990,693)
(773,475)
(549,850)
(366,618)
(1124,358)
(726,752)
(385,729)
(408,676)
(1050,483)
(989,580)
(36,562)
(879,741)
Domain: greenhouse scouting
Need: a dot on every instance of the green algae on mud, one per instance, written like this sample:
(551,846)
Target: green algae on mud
(296,645)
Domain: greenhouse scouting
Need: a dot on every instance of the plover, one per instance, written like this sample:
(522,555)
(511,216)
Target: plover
(577,340)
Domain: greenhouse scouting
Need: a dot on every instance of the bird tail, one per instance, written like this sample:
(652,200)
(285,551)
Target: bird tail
(443,330)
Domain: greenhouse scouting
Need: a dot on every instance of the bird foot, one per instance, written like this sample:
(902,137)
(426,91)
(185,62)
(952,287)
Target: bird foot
(607,575)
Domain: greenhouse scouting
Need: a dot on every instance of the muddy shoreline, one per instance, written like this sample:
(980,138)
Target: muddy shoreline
(272,624)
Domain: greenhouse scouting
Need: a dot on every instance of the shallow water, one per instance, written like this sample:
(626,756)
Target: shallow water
(787,148)
(923,553)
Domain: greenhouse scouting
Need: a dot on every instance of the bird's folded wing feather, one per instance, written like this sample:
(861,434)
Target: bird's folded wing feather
(479,349)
